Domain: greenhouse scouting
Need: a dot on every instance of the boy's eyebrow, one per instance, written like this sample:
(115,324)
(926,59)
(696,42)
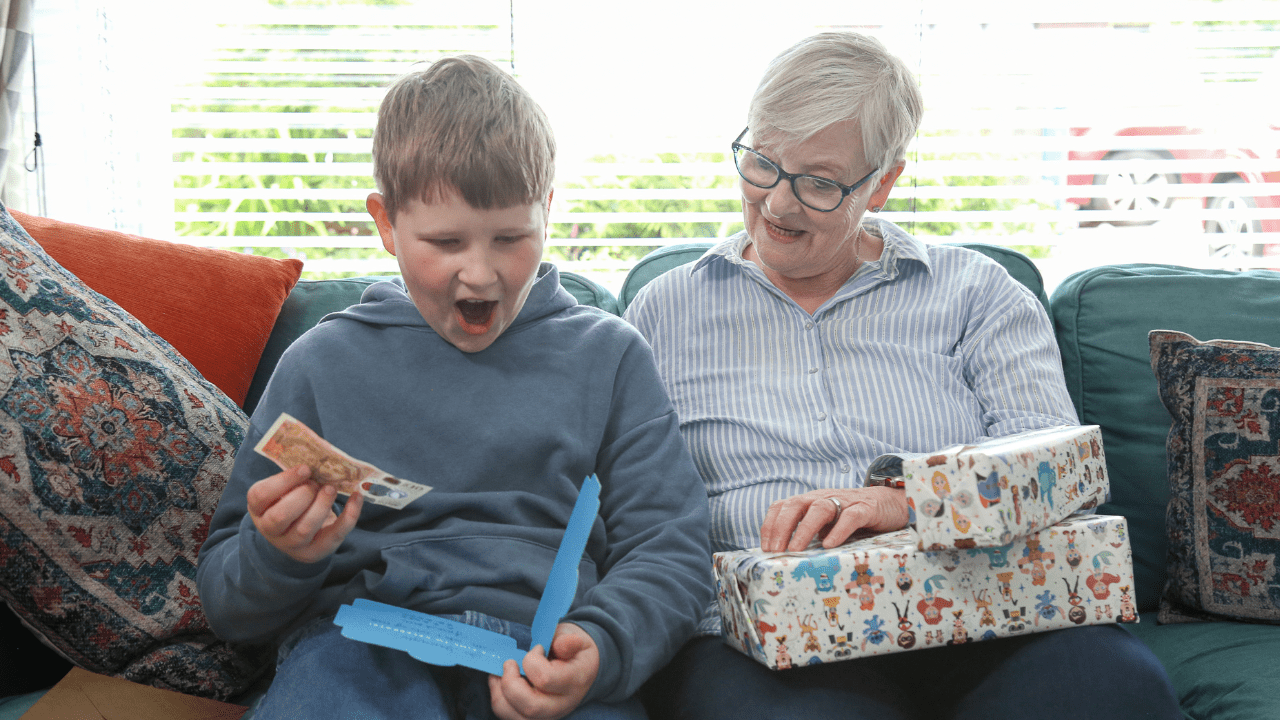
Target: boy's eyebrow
(525,229)
(519,230)
(522,228)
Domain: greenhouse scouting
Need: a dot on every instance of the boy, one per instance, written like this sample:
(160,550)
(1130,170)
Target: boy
(477,375)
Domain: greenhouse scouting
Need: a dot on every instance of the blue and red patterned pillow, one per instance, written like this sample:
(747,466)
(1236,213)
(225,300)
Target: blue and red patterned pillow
(113,454)
(1223,519)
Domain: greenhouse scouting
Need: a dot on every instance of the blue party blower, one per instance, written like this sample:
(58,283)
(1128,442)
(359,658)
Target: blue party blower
(438,641)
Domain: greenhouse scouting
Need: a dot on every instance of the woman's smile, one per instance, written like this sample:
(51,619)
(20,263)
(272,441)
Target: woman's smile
(782,234)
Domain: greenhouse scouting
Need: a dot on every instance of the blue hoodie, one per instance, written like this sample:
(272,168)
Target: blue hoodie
(505,438)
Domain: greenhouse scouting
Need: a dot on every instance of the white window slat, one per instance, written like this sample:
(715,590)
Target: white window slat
(902,191)
(310,68)
(235,169)
(922,168)
(1018,136)
(420,12)
(261,120)
(285,145)
(560,219)
(623,217)
(368,97)
(1122,238)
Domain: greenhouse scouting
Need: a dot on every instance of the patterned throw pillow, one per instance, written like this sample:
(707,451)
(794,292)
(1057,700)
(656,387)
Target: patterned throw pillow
(1224,470)
(216,307)
(113,455)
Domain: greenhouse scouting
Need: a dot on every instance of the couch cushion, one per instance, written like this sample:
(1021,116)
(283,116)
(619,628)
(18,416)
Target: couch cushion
(1220,670)
(216,307)
(15,706)
(1102,317)
(113,454)
(1223,522)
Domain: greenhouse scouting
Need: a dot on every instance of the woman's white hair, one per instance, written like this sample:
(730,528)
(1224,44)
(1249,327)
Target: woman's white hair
(837,76)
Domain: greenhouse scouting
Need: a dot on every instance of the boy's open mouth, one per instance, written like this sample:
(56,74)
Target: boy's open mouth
(475,316)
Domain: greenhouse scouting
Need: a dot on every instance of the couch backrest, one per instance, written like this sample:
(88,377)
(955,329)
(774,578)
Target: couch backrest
(311,300)
(1102,317)
(663,259)
(656,263)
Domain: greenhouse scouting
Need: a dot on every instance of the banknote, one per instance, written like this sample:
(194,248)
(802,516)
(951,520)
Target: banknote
(289,443)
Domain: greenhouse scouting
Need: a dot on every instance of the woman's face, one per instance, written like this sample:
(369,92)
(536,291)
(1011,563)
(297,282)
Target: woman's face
(795,242)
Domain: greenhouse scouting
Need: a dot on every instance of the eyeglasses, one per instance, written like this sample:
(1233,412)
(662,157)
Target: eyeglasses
(815,192)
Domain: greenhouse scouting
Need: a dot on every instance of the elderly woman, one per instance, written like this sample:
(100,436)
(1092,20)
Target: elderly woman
(800,349)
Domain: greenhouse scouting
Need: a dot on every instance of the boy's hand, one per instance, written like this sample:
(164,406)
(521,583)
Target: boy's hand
(551,688)
(296,514)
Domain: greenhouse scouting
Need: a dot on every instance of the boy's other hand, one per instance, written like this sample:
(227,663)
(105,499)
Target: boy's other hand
(295,514)
(550,688)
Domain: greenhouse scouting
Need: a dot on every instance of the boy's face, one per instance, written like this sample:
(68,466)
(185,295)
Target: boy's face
(468,271)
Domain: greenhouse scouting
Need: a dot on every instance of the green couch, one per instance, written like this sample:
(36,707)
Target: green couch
(1220,670)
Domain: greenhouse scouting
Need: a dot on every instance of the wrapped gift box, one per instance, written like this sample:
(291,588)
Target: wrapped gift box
(881,594)
(986,495)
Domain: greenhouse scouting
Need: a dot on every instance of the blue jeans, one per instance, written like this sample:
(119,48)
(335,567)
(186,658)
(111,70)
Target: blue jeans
(1096,672)
(321,674)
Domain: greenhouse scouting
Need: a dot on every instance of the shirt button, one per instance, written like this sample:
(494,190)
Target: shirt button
(813,370)
(808,326)
(822,416)
(844,468)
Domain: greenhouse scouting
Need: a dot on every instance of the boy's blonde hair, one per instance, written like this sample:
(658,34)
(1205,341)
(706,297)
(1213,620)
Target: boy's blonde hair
(462,124)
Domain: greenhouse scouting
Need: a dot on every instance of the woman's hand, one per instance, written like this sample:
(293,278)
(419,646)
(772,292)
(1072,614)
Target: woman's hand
(793,523)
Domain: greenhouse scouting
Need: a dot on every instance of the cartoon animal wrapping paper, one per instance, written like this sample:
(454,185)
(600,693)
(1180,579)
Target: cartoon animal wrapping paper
(881,594)
(986,495)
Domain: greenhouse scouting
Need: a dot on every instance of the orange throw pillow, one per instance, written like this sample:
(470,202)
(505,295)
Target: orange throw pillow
(216,307)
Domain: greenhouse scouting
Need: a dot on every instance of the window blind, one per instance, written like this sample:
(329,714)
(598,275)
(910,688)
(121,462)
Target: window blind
(1081,135)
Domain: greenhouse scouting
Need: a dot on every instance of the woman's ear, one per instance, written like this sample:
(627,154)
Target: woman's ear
(885,186)
(377,207)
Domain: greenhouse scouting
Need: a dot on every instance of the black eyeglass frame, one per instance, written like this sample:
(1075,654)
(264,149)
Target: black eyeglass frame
(791,177)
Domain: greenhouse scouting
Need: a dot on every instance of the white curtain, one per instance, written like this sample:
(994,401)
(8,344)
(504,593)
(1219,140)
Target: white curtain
(103,70)
(14,78)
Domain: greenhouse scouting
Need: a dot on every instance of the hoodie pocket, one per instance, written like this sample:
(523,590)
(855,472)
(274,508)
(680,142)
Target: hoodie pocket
(478,573)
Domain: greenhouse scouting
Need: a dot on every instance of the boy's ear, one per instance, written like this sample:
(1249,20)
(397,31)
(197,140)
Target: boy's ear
(378,209)
(546,226)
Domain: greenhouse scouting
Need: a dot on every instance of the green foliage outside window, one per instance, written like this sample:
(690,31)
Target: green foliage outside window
(291,213)
(291,221)
(657,230)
